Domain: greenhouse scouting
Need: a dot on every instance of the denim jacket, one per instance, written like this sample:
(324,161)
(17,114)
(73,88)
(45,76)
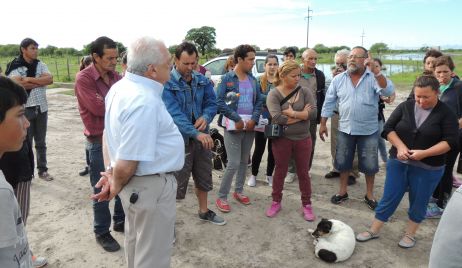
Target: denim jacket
(180,104)
(230,82)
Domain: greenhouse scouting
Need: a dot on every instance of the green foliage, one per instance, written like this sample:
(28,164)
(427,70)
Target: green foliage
(203,38)
(9,50)
(404,78)
(334,49)
(121,48)
(68,92)
(86,49)
(172,49)
(320,48)
(48,51)
(379,47)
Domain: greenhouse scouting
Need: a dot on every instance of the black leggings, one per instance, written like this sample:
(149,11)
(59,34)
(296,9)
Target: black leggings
(260,144)
(444,188)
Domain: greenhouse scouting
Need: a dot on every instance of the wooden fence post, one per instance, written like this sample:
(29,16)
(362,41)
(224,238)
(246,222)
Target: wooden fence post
(68,71)
(57,72)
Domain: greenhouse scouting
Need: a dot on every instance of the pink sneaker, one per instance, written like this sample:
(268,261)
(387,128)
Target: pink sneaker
(308,213)
(274,209)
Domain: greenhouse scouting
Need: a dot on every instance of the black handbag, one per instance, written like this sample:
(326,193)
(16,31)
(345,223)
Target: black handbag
(273,131)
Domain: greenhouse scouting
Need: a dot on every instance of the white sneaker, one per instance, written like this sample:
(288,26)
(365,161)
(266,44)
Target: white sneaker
(290,177)
(39,262)
(252,182)
(269,180)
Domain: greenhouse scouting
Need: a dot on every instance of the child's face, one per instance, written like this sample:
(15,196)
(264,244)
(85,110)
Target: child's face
(13,129)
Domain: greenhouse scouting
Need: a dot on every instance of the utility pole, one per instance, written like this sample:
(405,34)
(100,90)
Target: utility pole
(362,39)
(308,17)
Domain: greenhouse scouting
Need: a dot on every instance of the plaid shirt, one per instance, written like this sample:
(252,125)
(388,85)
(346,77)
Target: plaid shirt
(37,95)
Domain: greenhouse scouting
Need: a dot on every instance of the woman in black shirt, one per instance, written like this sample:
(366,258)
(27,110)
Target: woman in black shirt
(421,131)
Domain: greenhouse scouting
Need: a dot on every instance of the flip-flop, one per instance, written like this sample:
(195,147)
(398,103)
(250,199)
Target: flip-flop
(363,238)
(404,244)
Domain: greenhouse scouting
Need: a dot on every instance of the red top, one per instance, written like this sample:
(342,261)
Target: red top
(90,90)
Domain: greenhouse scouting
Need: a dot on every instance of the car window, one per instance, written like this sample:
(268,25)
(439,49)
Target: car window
(260,63)
(216,67)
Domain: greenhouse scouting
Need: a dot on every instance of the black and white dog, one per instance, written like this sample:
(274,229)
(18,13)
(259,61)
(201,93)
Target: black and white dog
(334,240)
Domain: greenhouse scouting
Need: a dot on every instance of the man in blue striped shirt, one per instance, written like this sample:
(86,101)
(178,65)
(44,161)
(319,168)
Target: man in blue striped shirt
(357,91)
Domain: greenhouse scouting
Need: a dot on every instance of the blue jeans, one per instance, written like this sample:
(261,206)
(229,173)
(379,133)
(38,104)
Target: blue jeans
(400,177)
(367,152)
(37,133)
(101,212)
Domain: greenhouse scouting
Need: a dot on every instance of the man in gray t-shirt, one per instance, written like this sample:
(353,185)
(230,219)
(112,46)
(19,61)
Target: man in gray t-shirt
(14,249)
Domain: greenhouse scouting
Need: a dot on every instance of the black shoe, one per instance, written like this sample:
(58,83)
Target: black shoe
(337,199)
(372,204)
(351,180)
(107,242)
(84,171)
(332,174)
(119,226)
(212,217)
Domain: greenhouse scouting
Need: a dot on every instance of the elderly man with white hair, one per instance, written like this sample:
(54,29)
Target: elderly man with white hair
(142,148)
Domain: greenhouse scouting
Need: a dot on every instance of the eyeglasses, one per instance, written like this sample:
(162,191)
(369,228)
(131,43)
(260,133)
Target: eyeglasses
(356,57)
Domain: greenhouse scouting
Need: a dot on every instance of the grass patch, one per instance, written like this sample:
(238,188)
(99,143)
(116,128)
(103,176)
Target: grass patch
(68,92)
(404,78)
(52,86)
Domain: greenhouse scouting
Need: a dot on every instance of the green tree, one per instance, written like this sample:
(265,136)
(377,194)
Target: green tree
(86,49)
(379,47)
(9,50)
(48,50)
(203,38)
(172,49)
(320,48)
(424,48)
(334,49)
(120,47)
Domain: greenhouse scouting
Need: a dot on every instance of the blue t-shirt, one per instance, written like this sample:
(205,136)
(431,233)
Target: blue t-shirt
(245,104)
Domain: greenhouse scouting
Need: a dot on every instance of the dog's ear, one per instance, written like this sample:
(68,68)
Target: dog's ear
(329,225)
(325,226)
(324,219)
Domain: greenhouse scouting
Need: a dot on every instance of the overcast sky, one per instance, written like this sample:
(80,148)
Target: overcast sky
(266,23)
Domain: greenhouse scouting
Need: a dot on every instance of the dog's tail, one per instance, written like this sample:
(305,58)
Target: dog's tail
(327,256)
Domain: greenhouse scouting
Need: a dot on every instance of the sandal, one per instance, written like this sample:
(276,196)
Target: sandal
(363,238)
(404,244)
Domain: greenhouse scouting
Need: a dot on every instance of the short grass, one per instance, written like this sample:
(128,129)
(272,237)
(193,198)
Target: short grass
(67,92)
